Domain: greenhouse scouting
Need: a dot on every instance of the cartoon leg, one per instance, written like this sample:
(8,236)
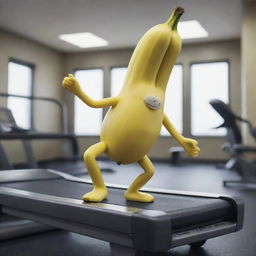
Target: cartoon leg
(99,191)
(133,193)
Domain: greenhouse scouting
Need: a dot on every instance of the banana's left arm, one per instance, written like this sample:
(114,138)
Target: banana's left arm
(71,84)
(190,146)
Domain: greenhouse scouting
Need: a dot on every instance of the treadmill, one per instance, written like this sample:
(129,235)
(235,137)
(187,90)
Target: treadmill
(175,218)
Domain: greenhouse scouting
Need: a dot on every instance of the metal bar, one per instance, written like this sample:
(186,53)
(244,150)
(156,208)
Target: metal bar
(62,106)
(5,162)
(32,136)
(30,154)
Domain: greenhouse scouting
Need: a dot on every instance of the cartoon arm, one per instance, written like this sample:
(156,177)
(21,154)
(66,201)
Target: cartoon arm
(71,84)
(190,145)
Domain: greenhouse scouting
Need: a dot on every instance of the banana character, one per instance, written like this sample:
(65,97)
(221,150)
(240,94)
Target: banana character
(133,122)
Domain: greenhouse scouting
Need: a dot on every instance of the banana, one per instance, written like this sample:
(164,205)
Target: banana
(132,124)
(156,52)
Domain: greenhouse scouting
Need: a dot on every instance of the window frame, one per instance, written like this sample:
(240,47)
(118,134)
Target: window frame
(110,77)
(73,100)
(32,66)
(183,108)
(190,96)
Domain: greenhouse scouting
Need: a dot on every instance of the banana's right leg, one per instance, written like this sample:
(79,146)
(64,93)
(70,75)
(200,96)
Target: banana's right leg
(133,193)
(99,191)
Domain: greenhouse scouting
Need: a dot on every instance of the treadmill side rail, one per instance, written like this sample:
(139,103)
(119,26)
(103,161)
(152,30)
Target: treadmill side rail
(79,228)
(151,230)
(68,209)
(132,227)
(238,204)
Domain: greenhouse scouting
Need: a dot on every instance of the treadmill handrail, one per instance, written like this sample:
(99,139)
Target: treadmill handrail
(37,135)
(61,105)
(33,135)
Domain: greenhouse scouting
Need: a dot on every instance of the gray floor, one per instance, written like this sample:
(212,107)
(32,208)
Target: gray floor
(196,177)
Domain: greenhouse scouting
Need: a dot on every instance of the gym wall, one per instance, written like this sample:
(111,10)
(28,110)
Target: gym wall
(51,66)
(225,50)
(48,76)
(248,36)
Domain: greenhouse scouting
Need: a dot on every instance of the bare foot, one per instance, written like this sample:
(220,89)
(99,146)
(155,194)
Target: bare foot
(96,195)
(139,197)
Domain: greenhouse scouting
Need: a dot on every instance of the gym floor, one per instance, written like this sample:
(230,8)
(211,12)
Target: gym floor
(191,177)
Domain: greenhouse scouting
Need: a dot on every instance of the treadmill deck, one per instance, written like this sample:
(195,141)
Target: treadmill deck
(174,218)
(183,210)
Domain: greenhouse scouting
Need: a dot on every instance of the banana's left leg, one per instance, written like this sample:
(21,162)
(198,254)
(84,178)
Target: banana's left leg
(99,191)
(133,193)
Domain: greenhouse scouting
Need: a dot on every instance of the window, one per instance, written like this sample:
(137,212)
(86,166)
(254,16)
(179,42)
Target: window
(173,98)
(88,120)
(117,80)
(208,81)
(20,83)
(173,106)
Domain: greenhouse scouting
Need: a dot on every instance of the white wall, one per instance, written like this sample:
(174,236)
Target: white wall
(51,66)
(48,77)
(248,43)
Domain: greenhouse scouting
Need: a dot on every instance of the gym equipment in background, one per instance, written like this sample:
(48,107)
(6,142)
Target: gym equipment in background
(235,146)
(9,130)
(175,155)
(132,124)
(133,228)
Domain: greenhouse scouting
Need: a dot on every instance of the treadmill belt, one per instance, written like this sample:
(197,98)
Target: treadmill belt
(183,209)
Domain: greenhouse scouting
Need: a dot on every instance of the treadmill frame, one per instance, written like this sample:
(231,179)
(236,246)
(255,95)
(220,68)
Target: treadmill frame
(138,229)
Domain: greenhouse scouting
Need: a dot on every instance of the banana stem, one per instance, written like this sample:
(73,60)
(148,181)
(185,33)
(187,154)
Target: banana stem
(175,16)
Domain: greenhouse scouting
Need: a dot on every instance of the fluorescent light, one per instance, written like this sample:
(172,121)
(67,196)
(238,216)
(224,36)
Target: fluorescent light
(191,29)
(84,40)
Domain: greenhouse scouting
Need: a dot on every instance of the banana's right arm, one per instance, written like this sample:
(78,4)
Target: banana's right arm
(71,84)
(190,145)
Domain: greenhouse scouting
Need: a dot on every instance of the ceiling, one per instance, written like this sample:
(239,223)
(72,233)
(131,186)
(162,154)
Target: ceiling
(120,22)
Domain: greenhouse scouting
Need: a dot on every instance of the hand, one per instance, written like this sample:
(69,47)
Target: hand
(191,146)
(71,84)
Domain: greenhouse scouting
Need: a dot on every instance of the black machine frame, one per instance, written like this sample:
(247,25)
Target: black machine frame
(130,230)
(27,135)
(235,146)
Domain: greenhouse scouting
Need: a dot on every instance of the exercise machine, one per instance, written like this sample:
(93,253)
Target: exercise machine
(175,217)
(234,146)
(175,154)
(9,130)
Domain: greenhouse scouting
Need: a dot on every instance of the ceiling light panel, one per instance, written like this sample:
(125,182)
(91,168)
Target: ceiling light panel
(191,29)
(84,40)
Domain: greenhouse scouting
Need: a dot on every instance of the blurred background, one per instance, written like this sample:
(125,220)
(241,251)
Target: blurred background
(43,41)
(210,97)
